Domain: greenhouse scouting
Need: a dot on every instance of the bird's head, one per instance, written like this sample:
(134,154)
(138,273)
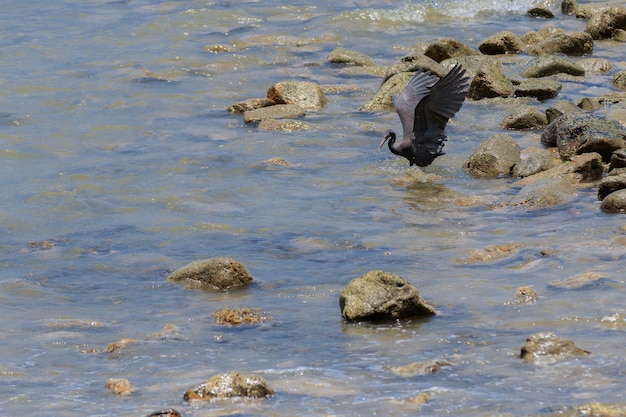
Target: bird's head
(390,136)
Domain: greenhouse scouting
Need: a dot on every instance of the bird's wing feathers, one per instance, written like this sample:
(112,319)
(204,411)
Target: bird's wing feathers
(418,87)
(445,99)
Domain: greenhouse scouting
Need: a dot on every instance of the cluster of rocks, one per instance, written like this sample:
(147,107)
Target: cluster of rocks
(551,172)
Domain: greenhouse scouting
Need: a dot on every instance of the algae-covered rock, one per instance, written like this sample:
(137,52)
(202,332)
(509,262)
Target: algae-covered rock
(548,346)
(381,296)
(232,384)
(219,273)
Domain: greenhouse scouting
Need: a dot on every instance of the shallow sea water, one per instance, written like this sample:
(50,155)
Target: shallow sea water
(120,164)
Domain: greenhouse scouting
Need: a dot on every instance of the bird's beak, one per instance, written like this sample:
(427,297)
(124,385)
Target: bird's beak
(383,142)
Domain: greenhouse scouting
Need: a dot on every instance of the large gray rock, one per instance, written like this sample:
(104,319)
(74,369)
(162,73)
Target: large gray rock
(568,43)
(232,384)
(575,133)
(504,42)
(550,347)
(219,273)
(306,94)
(546,65)
(494,157)
(605,22)
(381,296)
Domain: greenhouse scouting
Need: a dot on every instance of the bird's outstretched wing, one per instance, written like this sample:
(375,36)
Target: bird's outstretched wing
(418,87)
(445,99)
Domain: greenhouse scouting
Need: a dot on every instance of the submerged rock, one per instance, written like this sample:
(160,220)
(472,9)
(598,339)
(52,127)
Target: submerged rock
(217,273)
(494,157)
(170,412)
(420,368)
(119,386)
(381,296)
(544,193)
(232,384)
(578,133)
(525,295)
(548,346)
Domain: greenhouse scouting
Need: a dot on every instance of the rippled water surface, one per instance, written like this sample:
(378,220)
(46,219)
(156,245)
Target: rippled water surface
(120,164)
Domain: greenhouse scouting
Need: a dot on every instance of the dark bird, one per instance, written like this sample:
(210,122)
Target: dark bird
(425,106)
